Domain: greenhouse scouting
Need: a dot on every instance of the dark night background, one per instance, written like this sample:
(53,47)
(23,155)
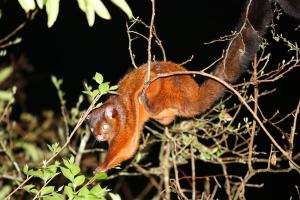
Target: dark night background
(74,51)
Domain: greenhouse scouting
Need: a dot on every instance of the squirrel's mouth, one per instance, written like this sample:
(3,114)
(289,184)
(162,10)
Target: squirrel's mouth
(100,137)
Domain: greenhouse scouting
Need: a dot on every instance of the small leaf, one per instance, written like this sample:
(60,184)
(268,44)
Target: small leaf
(82,5)
(25,169)
(74,169)
(114,87)
(54,196)
(101,176)
(83,191)
(104,88)
(99,8)
(122,4)
(90,15)
(28,187)
(41,3)
(5,73)
(68,191)
(114,196)
(71,160)
(98,78)
(47,190)
(52,8)
(27,5)
(79,180)
(5,190)
(95,93)
(67,173)
(96,189)
(6,95)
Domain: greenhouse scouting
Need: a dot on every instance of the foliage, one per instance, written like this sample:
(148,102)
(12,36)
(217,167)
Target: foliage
(89,7)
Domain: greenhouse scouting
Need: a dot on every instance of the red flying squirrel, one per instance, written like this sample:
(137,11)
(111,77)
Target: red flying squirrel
(120,120)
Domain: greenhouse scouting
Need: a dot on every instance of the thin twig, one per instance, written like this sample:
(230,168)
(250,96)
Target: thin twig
(149,41)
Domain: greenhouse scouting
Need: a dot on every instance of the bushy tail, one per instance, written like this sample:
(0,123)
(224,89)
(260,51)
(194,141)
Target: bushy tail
(241,50)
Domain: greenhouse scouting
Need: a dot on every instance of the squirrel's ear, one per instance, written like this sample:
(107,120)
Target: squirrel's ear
(110,112)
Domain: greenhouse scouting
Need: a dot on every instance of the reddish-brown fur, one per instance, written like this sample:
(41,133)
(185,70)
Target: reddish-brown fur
(122,117)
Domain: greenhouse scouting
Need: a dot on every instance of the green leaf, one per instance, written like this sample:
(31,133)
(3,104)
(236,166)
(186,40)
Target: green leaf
(83,191)
(54,196)
(47,190)
(98,78)
(99,8)
(36,173)
(96,189)
(104,88)
(90,15)
(67,173)
(6,95)
(114,87)
(74,169)
(114,196)
(79,180)
(52,8)
(71,160)
(25,169)
(122,4)
(95,93)
(5,73)
(100,176)
(82,5)
(41,3)
(4,191)
(68,191)
(28,187)
(27,5)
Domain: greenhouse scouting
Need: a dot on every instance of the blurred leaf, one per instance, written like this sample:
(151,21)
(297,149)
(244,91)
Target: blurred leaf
(122,4)
(35,153)
(0,13)
(52,8)
(79,180)
(95,93)
(83,191)
(100,176)
(5,73)
(36,173)
(67,173)
(28,187)
(114,196)
(90,15)
(71,160)
(68,191)
(104,88)
(54,196)
(99,8)
(98,78)
(25,169)
(4,191)
(47,190)
(114,87)
(6,95)
(82,5)
(27,5)
(96,189)
(41,3)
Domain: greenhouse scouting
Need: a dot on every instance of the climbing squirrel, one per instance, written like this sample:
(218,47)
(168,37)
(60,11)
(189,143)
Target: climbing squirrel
(121,118)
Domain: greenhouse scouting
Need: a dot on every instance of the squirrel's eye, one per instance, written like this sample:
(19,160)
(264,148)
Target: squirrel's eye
(105,126)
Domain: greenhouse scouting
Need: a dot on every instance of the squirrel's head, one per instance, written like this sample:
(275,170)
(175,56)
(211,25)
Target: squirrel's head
(103,122)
